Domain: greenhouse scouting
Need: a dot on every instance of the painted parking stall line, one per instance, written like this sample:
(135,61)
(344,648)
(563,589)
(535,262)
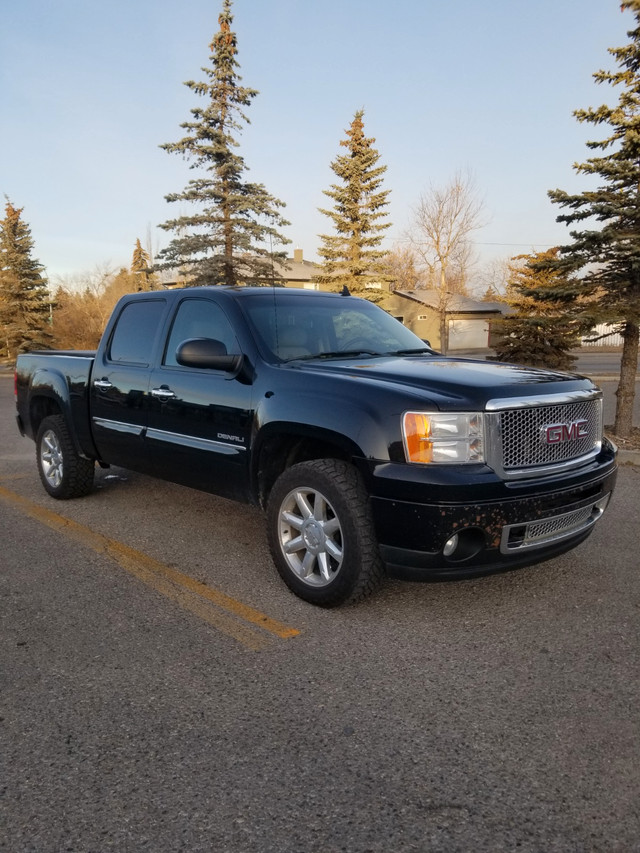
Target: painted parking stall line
(251,628)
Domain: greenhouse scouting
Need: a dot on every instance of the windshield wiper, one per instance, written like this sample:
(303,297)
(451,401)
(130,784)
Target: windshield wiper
(415,351)
(351,353)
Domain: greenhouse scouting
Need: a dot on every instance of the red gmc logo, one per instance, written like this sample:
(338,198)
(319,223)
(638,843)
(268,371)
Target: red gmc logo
(559,433)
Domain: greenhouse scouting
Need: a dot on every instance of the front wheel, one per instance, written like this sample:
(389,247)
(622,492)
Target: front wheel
(321,533)
(64,473)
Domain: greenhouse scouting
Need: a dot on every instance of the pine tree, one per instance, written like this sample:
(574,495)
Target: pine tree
(25,307)
(542,328)
(490,295)
(230,239)
(609,258)
(351,255)
(142,268)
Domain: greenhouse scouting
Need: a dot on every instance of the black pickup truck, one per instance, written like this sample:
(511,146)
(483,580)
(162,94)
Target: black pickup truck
(368,451)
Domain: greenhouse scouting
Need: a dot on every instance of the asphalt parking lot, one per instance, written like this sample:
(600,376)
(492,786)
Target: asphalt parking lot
(161,689)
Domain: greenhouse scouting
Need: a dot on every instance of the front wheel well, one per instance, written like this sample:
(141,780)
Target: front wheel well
(281,452)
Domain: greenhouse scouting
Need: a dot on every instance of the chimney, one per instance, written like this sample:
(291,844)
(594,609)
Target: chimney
(297,256)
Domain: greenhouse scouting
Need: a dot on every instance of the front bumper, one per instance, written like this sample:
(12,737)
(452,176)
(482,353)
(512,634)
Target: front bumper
(528,523)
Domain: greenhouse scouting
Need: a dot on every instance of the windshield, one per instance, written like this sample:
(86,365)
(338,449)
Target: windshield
(293,327)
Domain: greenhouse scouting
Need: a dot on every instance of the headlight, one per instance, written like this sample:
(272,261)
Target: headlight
(443,438)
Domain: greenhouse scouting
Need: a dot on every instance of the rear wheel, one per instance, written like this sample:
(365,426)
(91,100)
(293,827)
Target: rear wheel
(64,473)
(321,533)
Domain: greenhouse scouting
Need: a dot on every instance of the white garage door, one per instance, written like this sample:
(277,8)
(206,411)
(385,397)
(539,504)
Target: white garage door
(468,334)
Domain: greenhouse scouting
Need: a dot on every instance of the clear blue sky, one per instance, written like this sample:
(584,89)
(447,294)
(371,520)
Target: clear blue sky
(89,90)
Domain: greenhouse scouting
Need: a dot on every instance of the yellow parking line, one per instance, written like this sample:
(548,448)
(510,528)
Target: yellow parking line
(226,614)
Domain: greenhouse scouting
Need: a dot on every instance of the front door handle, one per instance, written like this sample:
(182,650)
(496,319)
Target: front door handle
(102,384)
(163,393)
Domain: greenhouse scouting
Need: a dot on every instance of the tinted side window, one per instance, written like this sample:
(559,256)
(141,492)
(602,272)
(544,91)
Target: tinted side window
(199,318)
(135,332)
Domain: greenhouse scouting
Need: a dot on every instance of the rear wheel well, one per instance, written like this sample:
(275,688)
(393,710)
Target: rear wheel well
(40,408)
(281,452)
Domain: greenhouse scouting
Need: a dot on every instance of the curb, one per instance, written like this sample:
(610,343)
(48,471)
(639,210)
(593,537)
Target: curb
(629,457)
(605,377)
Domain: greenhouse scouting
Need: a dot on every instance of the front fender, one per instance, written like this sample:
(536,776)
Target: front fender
(361,427)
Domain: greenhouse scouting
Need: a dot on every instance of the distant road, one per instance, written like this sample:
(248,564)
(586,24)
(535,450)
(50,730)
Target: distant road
(602,367)
(599,363)
(589,361)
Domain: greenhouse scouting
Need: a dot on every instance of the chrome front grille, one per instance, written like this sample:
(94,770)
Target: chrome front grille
(524,434)
(530,436)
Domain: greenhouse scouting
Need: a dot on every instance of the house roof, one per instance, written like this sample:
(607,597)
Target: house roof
(456,303)
(296,270)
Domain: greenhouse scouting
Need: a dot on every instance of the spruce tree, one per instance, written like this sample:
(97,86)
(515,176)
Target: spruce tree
(351,256)
(608,257)
(25,307)
(231,237)
(142,268)
(542,328)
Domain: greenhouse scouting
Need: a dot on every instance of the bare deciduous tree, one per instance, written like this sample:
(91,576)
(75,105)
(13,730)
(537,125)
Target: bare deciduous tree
(83,304)
(443,221)
(402,268)
(493,279)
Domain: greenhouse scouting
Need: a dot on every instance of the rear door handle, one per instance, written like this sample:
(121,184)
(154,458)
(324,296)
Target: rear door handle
(102,384)
(163,393)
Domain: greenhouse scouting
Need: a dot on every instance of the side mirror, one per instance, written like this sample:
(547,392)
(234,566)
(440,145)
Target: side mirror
(207,354)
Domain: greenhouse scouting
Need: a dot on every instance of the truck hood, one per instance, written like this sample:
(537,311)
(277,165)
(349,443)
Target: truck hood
(449,378)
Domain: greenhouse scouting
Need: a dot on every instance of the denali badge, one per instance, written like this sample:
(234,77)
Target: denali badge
(559,433)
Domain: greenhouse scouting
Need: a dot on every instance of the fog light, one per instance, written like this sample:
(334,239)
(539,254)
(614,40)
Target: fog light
(464,545)
(450,545)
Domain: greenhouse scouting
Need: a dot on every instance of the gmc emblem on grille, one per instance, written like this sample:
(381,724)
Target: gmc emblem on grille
(559,433)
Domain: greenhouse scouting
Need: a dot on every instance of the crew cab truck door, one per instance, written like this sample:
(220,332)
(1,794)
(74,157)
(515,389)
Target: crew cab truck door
(199,423)
(119,382)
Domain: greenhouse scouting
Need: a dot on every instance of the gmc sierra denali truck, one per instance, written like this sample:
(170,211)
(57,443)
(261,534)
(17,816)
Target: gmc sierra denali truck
(368,451)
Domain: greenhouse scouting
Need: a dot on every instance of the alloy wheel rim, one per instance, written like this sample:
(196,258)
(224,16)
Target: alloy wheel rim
(311,536)
(51,459)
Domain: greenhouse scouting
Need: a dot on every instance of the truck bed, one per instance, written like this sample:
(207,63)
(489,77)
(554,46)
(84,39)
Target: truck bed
(57,380)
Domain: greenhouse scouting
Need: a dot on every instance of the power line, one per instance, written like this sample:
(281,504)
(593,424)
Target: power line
(548,245)
(478,243)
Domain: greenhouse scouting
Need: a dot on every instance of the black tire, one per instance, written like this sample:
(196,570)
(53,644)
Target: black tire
(321,533)
(63,472)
